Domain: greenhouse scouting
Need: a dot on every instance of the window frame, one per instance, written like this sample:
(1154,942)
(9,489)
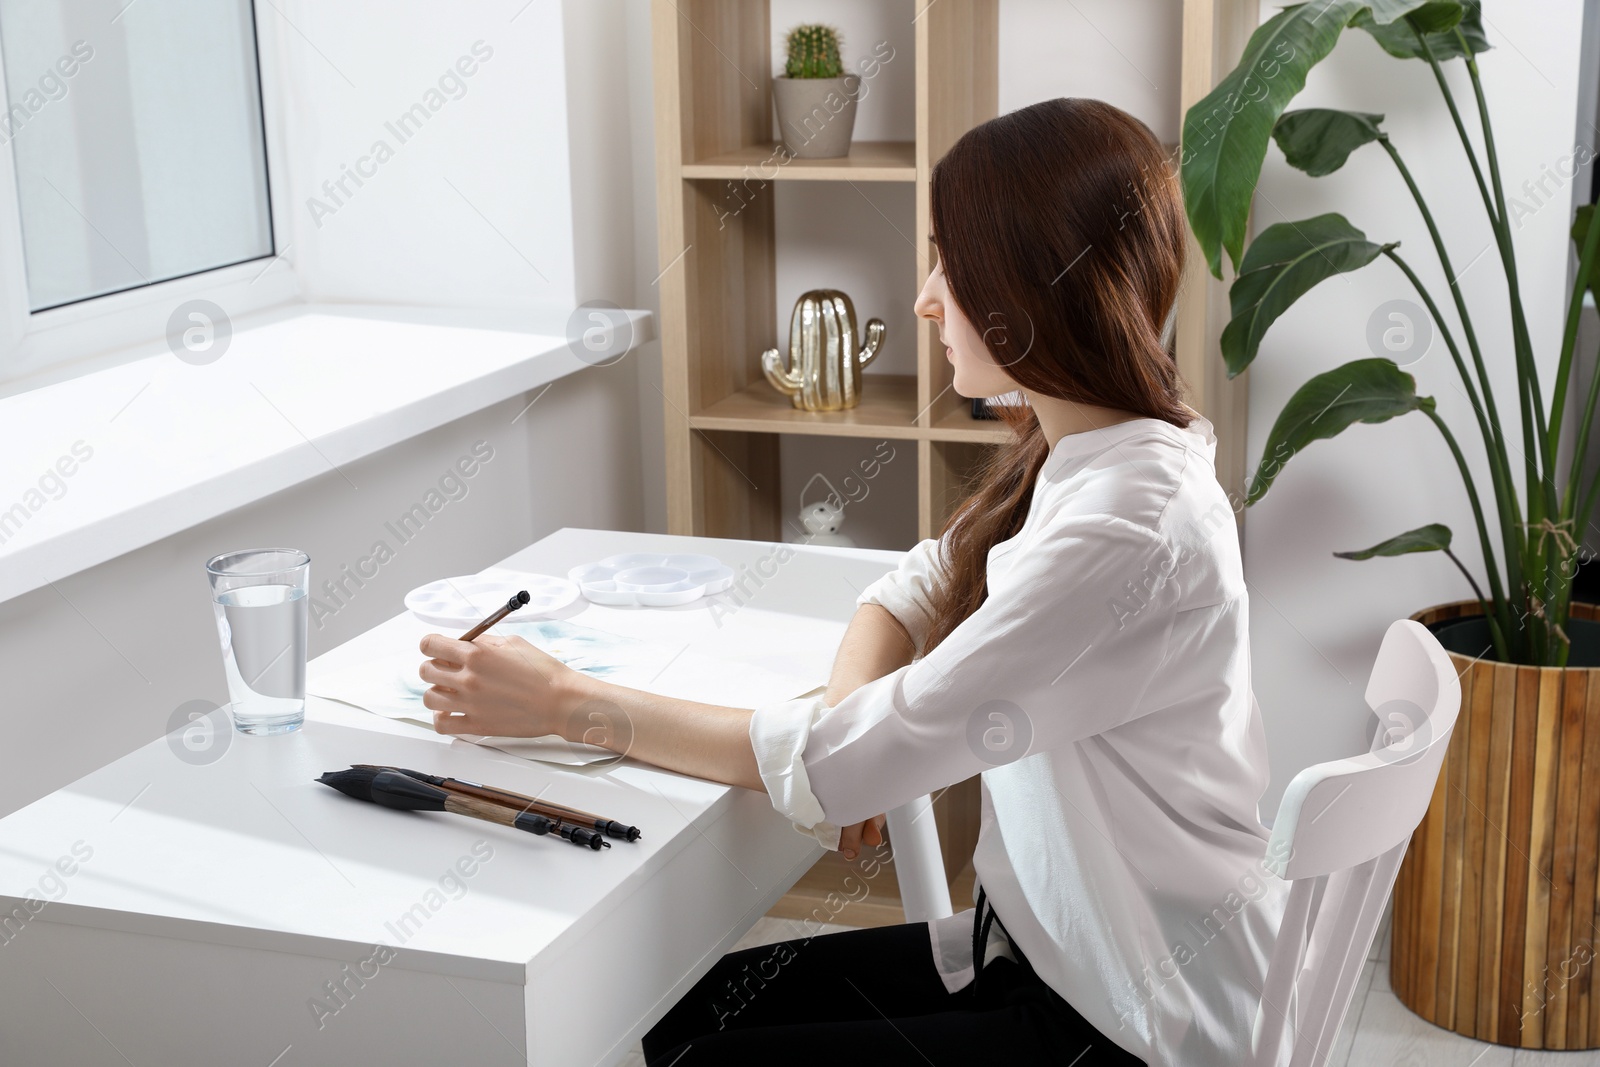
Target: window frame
(39,347)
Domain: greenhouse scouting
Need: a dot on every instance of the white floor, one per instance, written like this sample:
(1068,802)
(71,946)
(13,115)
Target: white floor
(1378,1031)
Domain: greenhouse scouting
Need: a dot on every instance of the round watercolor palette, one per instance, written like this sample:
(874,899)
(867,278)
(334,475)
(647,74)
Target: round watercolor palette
(462,603)
(652,579)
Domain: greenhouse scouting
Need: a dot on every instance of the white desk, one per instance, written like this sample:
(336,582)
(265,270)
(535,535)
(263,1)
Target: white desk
(209,904)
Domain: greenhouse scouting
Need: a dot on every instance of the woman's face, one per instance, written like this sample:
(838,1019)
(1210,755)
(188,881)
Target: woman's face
(976,373)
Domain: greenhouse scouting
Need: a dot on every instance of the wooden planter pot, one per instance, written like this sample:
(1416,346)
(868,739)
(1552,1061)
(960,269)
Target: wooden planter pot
(1497,903)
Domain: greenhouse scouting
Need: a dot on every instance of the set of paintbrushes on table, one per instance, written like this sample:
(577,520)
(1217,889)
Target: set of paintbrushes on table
(396,787)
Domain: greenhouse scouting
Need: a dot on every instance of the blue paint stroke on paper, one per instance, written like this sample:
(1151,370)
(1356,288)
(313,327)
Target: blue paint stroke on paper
(594,652)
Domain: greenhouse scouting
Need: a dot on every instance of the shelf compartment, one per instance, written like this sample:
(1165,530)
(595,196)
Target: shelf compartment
(888,409)
(957,424)
(950,414)
(868,161)
(735,478)
(947,475)
(872,479)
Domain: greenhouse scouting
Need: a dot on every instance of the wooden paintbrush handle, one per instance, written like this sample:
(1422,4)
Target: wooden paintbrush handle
(474,808)
(505,609)
(532,822)
(517,800)
(520,801)
(558,812)
(478,630)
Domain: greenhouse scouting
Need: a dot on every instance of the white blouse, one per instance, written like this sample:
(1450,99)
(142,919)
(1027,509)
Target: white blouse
(1103,693)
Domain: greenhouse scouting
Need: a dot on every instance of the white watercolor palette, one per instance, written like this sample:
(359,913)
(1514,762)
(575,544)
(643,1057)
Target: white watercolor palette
(652,579)
(461,603)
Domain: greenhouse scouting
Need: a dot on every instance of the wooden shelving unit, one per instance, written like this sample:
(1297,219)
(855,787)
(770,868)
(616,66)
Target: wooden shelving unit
(715,165)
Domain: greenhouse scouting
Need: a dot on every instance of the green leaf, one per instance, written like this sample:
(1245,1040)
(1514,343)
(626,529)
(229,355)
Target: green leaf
(1440,31)
(1367,390)
(1318,140)
(1431,538)
(1580,230)
(1436,16)
(1225,134)
(1284,263)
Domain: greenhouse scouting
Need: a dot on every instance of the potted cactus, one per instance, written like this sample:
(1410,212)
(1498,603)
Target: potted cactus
(1493,932)
(816,100)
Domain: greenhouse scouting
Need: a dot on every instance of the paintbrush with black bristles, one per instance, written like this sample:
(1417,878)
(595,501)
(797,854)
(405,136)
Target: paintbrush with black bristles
(395,790)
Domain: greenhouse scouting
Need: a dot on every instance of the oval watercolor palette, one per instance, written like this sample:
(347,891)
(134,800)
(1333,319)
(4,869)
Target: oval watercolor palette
(462,603)
(652,579)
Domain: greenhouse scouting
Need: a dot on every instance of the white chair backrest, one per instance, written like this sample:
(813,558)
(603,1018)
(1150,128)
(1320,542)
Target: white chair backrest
(1341,832)
(919,862)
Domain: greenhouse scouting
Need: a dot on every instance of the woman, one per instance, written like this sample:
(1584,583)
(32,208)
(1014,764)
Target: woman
(1078,635)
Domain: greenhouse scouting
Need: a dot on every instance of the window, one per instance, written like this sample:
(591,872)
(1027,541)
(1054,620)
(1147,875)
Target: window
(136,132)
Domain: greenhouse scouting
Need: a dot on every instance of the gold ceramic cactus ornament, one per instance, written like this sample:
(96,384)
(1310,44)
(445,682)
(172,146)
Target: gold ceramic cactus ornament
(823,369)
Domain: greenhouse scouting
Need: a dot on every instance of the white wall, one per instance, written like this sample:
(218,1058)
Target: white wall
(1317,621)
(646,261)
(96,665)
(1589,325)
(1125,52)
(472,209)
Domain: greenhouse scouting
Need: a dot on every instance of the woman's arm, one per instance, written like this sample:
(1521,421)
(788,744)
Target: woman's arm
(505,687)
(874,645)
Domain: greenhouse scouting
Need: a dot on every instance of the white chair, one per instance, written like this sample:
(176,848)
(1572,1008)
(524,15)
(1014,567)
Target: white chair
(1341,832)
(919,862)
(1342,829)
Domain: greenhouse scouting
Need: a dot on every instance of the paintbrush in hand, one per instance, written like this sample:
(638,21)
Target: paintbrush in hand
(395,790)
(511,605)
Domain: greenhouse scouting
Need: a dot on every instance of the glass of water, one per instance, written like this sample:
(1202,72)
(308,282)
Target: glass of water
(259,596)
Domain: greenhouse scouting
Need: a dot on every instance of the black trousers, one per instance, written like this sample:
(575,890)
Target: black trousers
(871,996)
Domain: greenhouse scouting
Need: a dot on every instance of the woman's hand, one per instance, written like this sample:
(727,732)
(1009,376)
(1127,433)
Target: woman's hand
(851,837)
(495,686)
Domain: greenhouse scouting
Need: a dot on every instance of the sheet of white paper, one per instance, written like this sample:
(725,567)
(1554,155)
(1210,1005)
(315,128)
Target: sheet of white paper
(369,687)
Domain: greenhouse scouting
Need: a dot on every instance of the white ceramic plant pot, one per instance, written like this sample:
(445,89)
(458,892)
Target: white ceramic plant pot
(816,115)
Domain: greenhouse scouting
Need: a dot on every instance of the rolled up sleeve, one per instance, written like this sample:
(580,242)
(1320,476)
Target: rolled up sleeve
(1064,649)
(779,733)
(907,591)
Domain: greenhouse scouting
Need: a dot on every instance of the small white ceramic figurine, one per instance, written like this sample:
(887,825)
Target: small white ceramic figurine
(822,521)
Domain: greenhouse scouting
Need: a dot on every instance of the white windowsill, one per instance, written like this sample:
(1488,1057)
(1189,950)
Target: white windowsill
(295,396)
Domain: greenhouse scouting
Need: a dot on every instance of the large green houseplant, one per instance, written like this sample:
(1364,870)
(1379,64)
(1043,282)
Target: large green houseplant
(1529,548)
(1493,907)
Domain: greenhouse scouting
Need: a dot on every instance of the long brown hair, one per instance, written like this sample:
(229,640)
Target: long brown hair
(1061,230)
